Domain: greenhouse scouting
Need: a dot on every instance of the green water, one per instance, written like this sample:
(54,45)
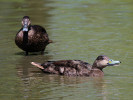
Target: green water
(80,29)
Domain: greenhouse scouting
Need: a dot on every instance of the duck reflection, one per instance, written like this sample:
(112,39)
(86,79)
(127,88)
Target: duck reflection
(81,87)
(28,74)
(36,84)
(24,68)
(100,85)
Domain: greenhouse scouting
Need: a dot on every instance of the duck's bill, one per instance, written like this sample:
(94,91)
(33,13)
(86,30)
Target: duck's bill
(113,63)
(25,28)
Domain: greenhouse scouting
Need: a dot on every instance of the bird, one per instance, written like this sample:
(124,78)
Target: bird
(77,67)
(31,38)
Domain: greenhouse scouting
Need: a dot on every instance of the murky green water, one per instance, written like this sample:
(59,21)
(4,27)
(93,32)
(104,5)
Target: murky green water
(81,29)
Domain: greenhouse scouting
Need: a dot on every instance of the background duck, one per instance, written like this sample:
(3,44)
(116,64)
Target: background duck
(77,67)
(31,38)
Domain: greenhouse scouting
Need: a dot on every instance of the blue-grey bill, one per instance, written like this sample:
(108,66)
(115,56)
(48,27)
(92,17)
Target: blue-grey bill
(25,29)
(113,62)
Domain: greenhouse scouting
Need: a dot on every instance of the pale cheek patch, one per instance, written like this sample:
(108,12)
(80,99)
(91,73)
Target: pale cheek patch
(103,63)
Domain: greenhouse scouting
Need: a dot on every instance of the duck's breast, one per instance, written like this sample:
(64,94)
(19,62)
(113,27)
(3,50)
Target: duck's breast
(33,41)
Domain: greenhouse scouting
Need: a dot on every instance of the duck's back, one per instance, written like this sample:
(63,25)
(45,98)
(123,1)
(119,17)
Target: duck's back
(38,29)
(36,39)
(67,67)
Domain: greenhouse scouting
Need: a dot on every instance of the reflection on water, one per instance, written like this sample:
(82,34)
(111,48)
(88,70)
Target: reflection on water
(22,64)
(61,87)
(80,30)
(28,74)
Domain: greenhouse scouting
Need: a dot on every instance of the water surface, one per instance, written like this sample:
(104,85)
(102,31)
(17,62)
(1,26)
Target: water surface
(81,29)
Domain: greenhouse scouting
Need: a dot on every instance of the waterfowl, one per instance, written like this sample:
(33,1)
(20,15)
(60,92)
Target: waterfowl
(77,67)
(31,38)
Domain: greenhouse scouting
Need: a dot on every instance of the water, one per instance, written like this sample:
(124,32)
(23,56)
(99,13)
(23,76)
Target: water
(81,29)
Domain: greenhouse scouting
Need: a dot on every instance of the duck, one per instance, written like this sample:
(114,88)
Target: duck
(31,38)
(77,67)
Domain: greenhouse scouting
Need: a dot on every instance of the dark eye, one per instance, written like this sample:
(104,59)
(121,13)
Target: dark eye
(100,58)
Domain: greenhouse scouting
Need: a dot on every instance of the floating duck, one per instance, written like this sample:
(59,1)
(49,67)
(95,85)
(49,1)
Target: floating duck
(77,67)
(31,38)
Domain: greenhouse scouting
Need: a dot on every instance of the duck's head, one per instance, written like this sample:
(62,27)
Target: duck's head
(102,61)
(26,23)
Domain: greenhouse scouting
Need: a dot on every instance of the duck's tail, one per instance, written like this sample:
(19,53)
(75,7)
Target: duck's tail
(50,41)
(37,65)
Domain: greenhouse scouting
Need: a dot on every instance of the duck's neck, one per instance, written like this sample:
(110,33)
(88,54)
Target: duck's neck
(98,68)
(25,37)
(96,72)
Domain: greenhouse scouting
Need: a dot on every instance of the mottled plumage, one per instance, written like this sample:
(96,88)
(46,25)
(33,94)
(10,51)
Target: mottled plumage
(31,38)
(76,67)
(67,67)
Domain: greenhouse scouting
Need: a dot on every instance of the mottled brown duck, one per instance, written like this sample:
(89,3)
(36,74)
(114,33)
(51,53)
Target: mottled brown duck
(31,38)
(77,67)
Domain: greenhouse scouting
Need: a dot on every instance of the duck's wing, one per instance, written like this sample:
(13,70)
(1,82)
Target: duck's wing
(65,67)
(39,29)
(40,32)
(73,67)
(67,63)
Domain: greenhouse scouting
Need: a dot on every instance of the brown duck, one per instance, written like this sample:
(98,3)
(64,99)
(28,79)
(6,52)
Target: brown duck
(31,38)
(77,67)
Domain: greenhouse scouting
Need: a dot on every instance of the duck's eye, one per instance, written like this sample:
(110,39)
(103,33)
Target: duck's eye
(110,60)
